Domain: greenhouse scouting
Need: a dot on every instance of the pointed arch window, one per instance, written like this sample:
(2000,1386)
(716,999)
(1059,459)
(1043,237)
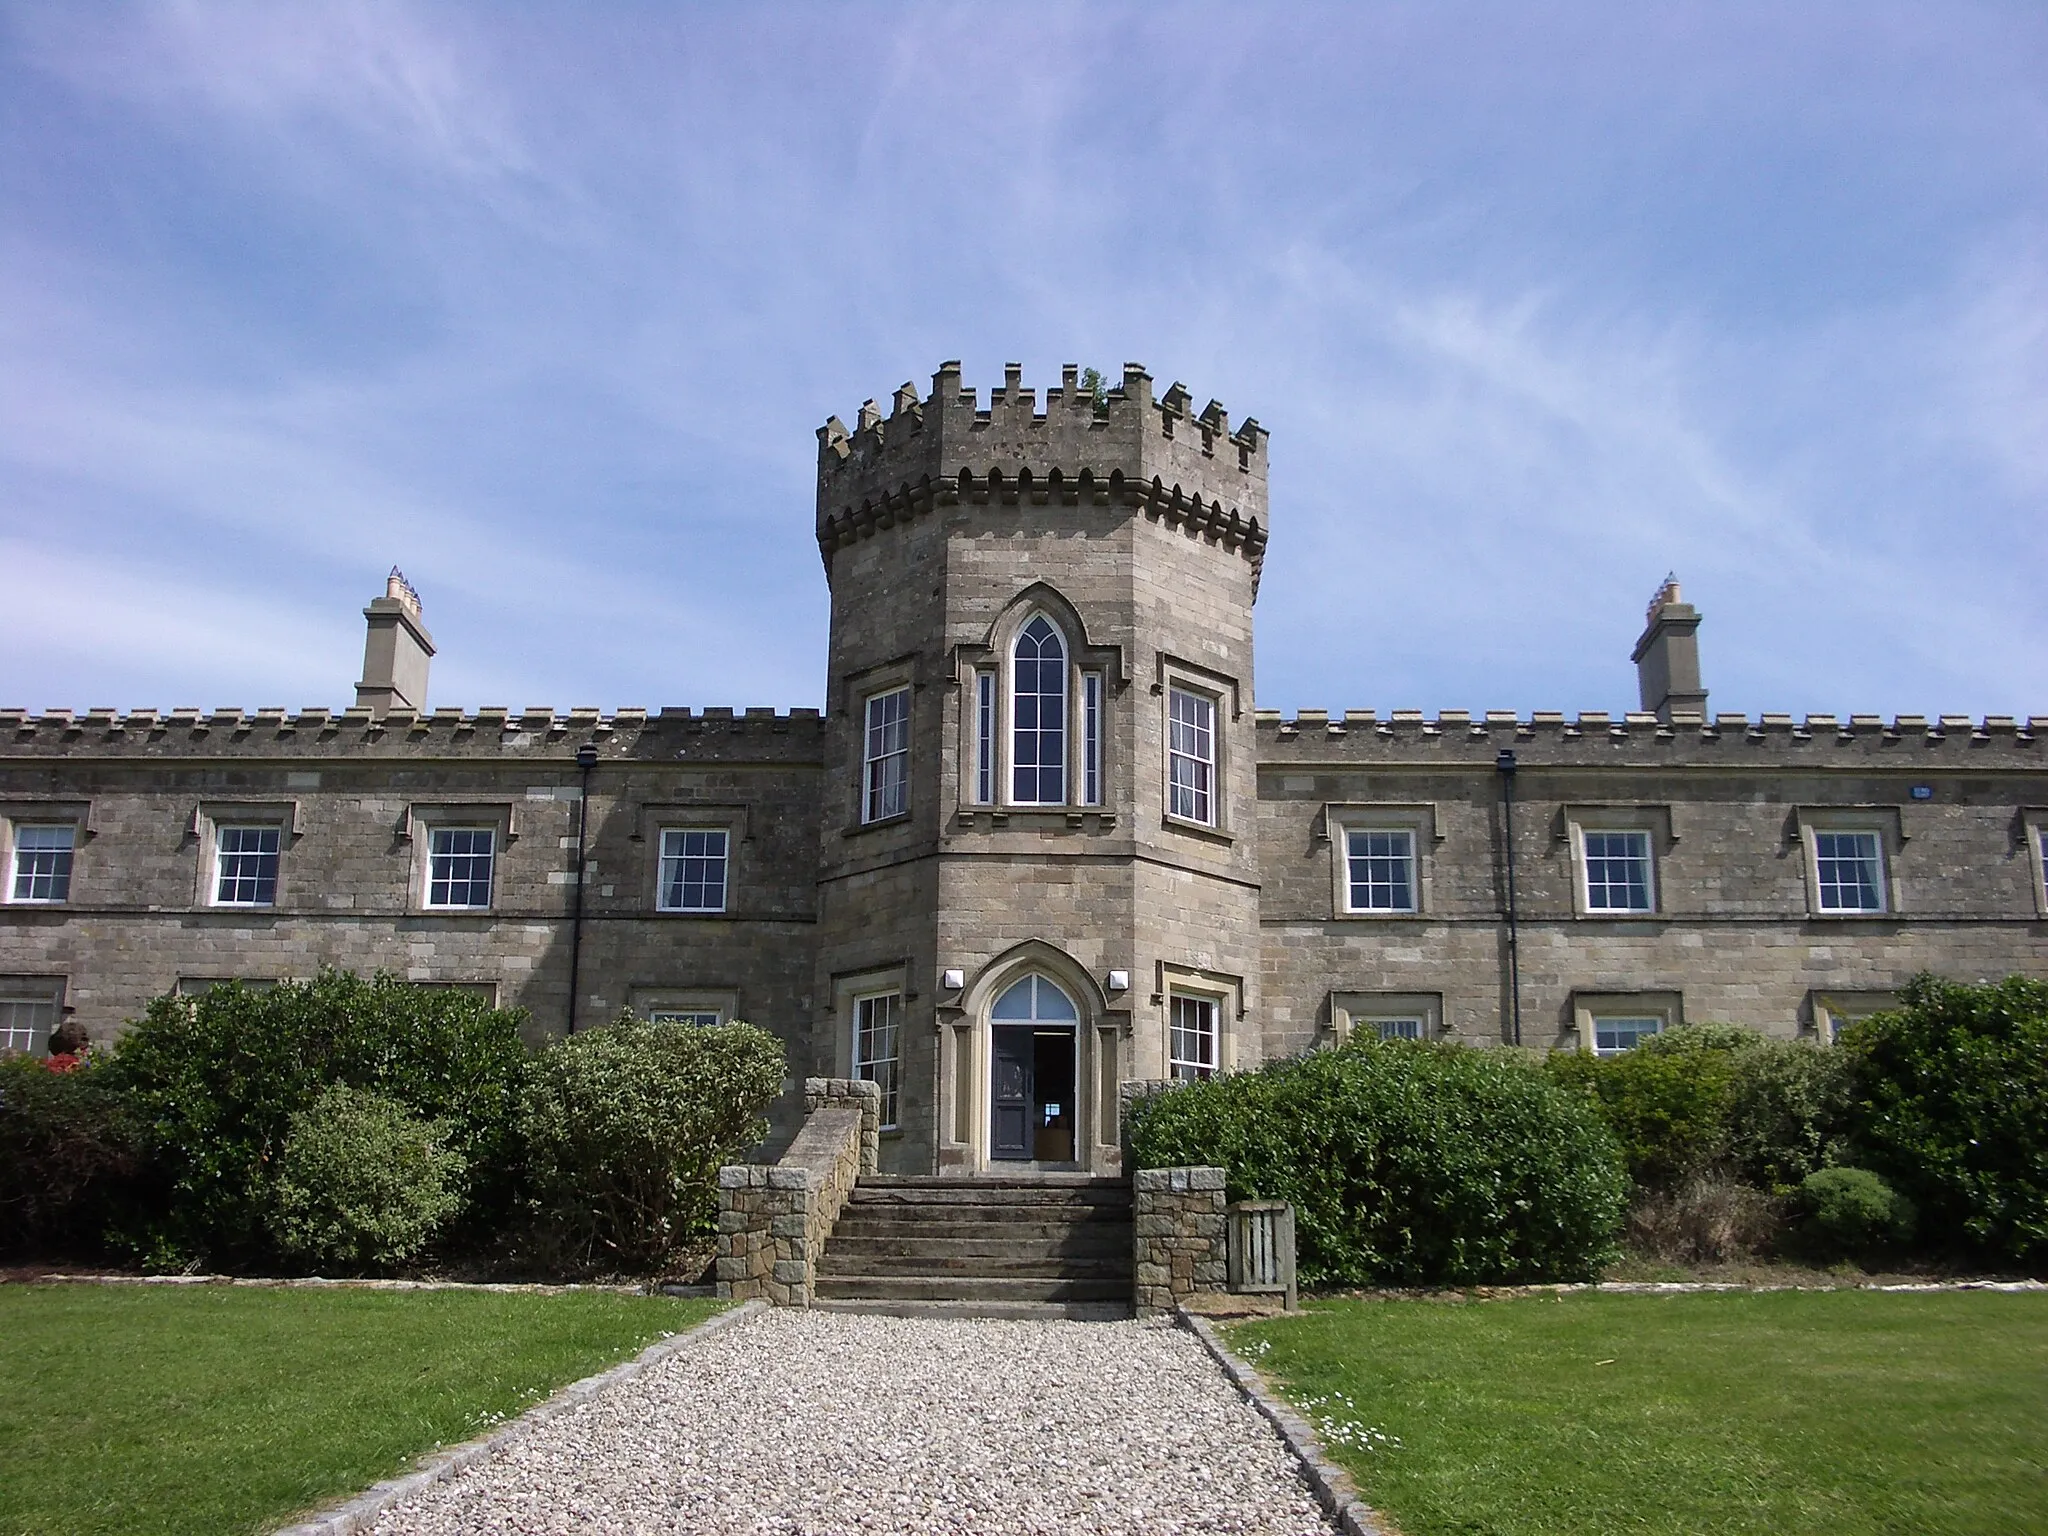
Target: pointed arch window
(1038,720)
(1035,1000)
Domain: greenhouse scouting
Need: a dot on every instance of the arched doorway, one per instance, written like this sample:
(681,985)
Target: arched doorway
(1034,1037)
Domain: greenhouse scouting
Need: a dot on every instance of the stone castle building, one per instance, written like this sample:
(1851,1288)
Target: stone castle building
(1040,841)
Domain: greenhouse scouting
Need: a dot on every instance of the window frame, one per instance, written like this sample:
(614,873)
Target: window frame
(1064,714)
(1091,737)
(862,1002)
(56,821)
(1351,1012)
(662,857)
(1834,1009)
(1667,1008)
(1585,856)
(1410,859)
(1882,825)
(215,875)
(1211,1004)
(437,829)
(987,764)
(2034,823)
(1651,822)
(720,1004)
(32,992)
(875,809)
(1178,688)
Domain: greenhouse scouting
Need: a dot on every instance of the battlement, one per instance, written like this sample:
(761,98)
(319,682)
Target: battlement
(490,731)
(1907,741)
(1128,449)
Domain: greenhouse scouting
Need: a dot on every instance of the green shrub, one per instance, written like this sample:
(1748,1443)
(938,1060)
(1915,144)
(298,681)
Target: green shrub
(626,1126)
(363,1184)
(1950,1102)
(1667,1100)
(67,1154)
(1406,1164)
(1788,1113)
(1852,1213)
(213,1082)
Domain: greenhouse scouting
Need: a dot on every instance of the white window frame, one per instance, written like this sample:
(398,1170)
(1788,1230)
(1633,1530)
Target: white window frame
(31,1007)
(1650,823)
(713,1005)
(1881,825)
(1644,840)
(1352,857)
(68,860)
(217,874)
(1181,1067)
(434,832)
(885,767)
(987,758)
(1829,856)
(1637,1028)
(2035,820)
(1202,767)
(1063,715)
(887,1071)
(1355,1012)
(1091,738)
(666,859)
(1592,1010)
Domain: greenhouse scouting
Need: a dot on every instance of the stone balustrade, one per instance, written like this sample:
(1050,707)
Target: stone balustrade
(773,1219)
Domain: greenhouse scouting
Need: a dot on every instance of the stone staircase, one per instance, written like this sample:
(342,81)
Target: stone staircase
(1045,1240)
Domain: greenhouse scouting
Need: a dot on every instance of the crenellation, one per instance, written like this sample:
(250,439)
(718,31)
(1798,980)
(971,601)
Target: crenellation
(947,527)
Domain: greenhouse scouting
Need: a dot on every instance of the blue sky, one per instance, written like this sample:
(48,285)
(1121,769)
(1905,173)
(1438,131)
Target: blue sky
(544,304)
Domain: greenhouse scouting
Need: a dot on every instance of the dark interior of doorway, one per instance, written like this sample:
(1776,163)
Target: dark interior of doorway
(1033,1115)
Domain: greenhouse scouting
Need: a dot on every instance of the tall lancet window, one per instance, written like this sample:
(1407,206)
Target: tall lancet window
(1038,720)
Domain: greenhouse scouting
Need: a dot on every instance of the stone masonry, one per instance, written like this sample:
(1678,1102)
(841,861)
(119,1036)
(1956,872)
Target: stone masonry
(1135,526)
(773,1220)
(1181,1236)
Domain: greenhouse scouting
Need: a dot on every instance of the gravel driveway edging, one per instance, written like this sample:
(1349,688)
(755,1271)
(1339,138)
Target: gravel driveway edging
(359,1513)
(1333,1487)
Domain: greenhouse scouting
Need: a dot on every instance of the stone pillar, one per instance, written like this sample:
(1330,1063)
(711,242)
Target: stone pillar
(1181,1233)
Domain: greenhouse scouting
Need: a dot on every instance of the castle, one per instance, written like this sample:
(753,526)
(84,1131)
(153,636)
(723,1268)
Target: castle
(1039,842)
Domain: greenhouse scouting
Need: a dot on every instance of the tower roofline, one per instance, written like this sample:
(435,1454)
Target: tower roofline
(1126,448)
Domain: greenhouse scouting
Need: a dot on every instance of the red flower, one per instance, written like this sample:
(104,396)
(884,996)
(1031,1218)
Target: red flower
(65,1061)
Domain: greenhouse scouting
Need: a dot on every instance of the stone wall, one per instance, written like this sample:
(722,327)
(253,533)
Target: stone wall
(1179,1227)
(773,1220)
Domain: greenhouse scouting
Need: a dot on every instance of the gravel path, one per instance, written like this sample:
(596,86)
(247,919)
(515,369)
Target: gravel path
(823,1423)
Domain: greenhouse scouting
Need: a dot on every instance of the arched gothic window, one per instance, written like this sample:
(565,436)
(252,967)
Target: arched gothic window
(1038,720)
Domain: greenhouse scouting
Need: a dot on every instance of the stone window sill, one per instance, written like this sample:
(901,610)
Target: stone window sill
(1196,829)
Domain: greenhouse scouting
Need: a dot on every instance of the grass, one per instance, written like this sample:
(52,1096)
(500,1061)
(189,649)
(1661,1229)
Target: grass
(157,1409)
(1838,1412)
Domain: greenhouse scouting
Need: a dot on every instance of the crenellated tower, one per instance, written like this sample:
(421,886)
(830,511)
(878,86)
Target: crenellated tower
(1039,711)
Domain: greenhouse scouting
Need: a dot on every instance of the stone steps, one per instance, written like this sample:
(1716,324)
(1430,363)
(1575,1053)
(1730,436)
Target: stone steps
(1041,1241)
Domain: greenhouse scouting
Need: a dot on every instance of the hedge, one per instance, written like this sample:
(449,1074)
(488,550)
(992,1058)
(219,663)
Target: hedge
(1407,1164)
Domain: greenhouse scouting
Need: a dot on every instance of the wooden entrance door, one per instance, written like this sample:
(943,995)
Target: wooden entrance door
(1010,1095)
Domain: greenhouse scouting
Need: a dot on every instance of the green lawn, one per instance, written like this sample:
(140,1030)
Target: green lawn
(1833,1413)
(146,1409)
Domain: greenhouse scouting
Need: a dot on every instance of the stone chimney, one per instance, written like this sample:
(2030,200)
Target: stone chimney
(396,651)
(1668,656)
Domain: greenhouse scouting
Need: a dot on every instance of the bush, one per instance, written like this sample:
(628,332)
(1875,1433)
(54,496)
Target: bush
(626,1127)
(363,1183)
(1667,1100)
(1950,1102)
(1852,1213)
(1709,1219)
(1788,1113)
(214,1081)
(67,1153)
(1406,1164)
